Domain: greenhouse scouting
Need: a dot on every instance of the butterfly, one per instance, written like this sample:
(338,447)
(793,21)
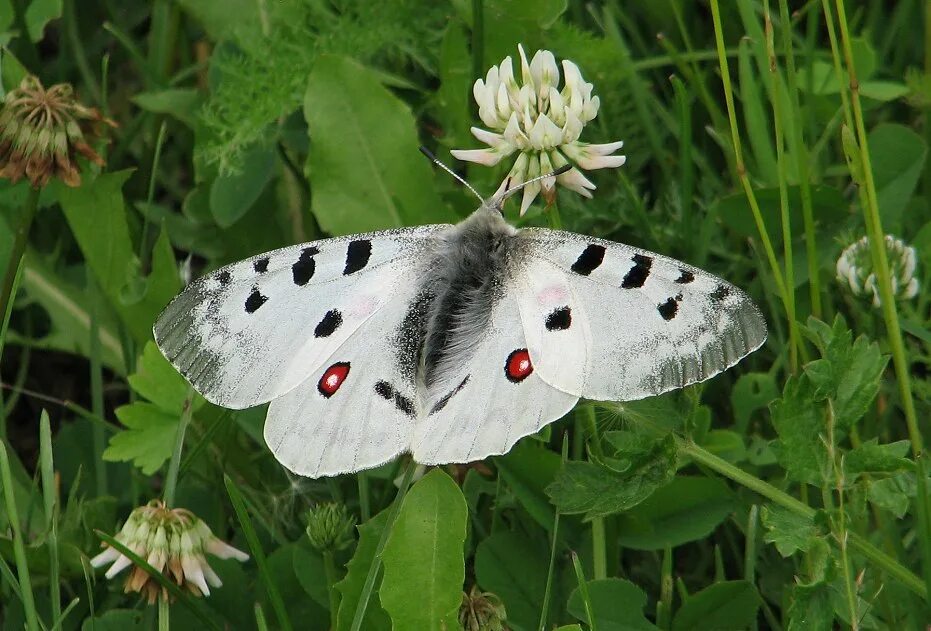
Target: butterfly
(449,342)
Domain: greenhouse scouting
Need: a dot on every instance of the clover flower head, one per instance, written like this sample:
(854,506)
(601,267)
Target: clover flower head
(174,542)
(481,611)
(529,115)
(329,527)
(42,131)
(855,269)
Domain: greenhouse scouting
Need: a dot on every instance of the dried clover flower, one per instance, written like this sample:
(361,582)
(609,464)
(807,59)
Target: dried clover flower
(855,269)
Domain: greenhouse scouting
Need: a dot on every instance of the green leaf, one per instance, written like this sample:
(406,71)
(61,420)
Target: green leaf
(452,97)
(231,196)
(897,157)
(799,420)
(788,530)
(364,166)
(871,457)
(634,474)
(510,21)
(356,570)
(514,567)
(117,620)
(97,216)
(759,128)
(310,573)
(225,19)
(687,509)
(722,606)
(528,469)
(617,605)
(753,391)
(423,559)
(182,103)
(156,380)
(148,440)
(893,493)
(810,608)
(725,444)
(39,14)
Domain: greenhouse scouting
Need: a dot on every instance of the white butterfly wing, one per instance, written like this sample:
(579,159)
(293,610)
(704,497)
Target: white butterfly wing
(252,331)
(494,398)
(608,321)
(357,410)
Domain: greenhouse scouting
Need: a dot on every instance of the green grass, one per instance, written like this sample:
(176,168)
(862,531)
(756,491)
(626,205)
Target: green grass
(762,138)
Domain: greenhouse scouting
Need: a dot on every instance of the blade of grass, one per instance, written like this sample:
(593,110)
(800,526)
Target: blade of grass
(96,374)
(664,604)
(171,480)
(19,547)
(544,610)
(583,590)
(260,622)
(64,614)
(50,495)
(196,607)
(11,271)
(258,554)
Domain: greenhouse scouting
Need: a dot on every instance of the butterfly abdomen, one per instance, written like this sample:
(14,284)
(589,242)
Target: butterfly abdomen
(467,281)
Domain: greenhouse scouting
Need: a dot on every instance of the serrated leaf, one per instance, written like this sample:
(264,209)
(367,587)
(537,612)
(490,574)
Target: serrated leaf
(789,531)
(617,605)
(351,586)
(871,457)
(722,606)
(687,509)
(753,391)
(798,418)
(514,567)
(156,379)
(364,167)
(423,559)
(810,608)
(148,439)
(894,493)
(596,489)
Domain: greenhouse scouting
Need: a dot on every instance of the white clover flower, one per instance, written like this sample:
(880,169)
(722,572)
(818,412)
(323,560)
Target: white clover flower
(173,541)
(855,269)
(532,117)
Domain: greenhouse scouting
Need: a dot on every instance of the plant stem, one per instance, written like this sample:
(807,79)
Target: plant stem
(369,585)
(871,552)
(171,479)
(50,495)
(20,238)
(19,548)
(96,374)
(164,614)
(329,566)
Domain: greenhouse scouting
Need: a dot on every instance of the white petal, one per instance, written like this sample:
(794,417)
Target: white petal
(121,564)
(223,550)
(506,71)
(530,193)
(544,71)
(193,573)
(572,128)
(487,157)
(575,181)
(109,555)
(547,167)
(590,163)
(478,91)
(590,109)
(211,576)
(513,134)
(557,110)
(490,138)
(524,68)
(545,134)
(503,102)
(605,149)
(572,73)
(911,290)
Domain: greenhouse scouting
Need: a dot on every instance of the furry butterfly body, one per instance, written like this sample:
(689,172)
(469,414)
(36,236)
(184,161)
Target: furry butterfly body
(450,342)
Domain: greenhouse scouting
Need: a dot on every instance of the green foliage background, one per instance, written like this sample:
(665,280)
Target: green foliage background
(785,494)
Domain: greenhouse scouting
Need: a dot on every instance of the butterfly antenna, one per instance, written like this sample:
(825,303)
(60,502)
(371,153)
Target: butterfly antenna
(437,162)
(508,191)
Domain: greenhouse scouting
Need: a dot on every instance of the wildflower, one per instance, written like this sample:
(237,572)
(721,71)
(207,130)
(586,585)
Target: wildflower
(855,269)
(41,131)
(530,116)
(329,527)
(481,611)
(174,542)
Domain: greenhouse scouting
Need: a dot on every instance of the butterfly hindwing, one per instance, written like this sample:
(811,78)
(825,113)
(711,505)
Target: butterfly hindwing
(253,330)
(653,323)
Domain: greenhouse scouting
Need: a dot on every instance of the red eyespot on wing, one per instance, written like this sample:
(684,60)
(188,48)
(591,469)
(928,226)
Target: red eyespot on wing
(333,378)
(518,366)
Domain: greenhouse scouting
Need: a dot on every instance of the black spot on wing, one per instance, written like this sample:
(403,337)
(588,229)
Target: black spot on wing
(686,277)
(668,309)
(559,319)
(330,322)
(224,277)
(303,269)
(638,274)
(357,255)
(255,300)
(439,405)
(401,402)
(589,260)
(261,265)
(720,293)
(384,389)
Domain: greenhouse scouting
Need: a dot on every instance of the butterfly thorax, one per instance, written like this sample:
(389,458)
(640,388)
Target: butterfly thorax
(467,273)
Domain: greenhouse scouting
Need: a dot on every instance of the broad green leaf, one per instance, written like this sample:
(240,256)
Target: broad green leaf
(893,493)
(788,530)
(12,72)
(39,14)
(722,606)
(97,216)
(617,605)
(423,559)
(364,166)
(231,196)
(156,380)
(527,470)
(182,103)
(753,391)
(117,620)
(225,19)
(350,587)
(725,444)
(666,411)
(310,573)
(871,457)
(514,567)
(148,439)
(687,509)
(304,612)
(810,608)
(897,155)
(596,489)
(799,420)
